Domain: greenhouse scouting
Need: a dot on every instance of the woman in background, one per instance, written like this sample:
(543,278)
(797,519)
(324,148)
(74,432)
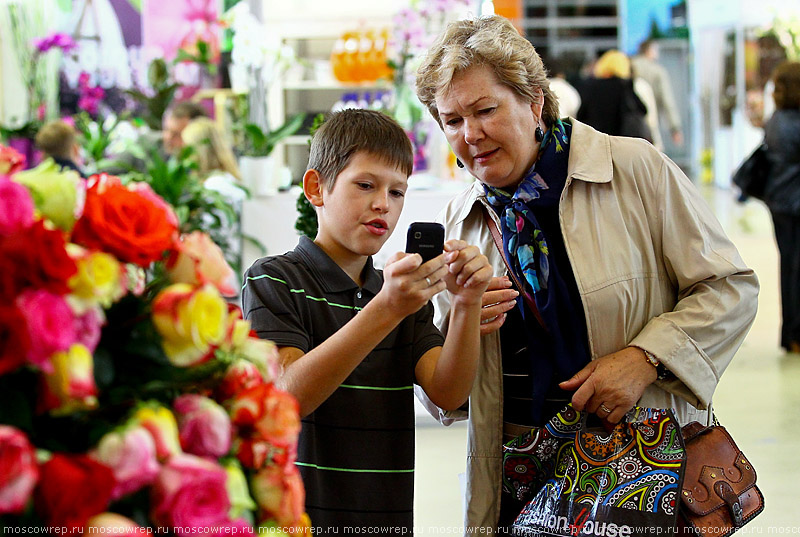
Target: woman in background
(782,194)
(609,101)
(220,173)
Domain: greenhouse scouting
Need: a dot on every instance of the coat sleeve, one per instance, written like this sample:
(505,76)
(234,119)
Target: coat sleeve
(716,292)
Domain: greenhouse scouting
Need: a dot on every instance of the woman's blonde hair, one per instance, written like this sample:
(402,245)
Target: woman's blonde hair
(213,152)
(493,42)
(613,63)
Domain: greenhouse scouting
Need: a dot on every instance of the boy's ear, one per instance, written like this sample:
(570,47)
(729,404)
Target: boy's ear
(313,187)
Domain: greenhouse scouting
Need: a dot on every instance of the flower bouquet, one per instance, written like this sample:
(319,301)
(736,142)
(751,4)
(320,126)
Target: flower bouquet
(133,397)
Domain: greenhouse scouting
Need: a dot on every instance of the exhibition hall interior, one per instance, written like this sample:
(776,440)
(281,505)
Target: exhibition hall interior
(151,152)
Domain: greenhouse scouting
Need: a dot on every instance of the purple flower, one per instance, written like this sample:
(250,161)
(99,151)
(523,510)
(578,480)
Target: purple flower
(55,40)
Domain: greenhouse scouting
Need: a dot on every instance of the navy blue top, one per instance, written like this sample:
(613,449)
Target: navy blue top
(535,360)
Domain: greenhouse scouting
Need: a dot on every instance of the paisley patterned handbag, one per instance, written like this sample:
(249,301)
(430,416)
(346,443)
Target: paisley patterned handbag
(577,481)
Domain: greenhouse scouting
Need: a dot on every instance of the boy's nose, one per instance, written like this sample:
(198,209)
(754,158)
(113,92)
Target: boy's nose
(381,202)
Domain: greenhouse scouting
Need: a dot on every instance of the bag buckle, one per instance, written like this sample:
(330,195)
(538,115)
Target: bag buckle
(725,491)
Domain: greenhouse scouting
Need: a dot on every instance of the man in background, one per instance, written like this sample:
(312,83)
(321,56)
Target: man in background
(645,65)
(59,141)
(175,120)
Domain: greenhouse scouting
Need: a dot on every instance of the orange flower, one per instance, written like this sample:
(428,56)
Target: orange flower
(198,260)
(125,223)
(279,493)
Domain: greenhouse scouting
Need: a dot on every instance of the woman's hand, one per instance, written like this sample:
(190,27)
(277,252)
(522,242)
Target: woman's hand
(611,385)
(497,300)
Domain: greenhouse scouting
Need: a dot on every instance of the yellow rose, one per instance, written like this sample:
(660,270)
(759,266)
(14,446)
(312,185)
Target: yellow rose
(71,386)
(54,192)
(100,277)
(192,322)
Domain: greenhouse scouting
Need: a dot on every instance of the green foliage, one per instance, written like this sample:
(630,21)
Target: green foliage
(96,137)
(202,58)
(261,144)
(175,178)
(154,106)
(306,223)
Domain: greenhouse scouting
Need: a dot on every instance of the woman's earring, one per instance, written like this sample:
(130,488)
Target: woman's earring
(459,164)
(538,133)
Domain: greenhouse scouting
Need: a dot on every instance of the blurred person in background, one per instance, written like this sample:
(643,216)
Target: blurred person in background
(176,119)
(609,101)
(645,64)
(569,100)
(782,193)
(59,140)
(219,171)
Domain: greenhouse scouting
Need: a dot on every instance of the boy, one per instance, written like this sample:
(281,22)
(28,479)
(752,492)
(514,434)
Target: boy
(353,341)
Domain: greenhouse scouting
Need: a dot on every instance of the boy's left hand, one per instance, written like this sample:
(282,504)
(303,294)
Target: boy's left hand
(468,272)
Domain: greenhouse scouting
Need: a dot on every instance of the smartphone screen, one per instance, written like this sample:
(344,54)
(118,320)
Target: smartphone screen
(426,239)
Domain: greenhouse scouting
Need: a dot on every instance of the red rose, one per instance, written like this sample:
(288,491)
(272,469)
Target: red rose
(124,223)
(14,342)
(71,489)
(34,258)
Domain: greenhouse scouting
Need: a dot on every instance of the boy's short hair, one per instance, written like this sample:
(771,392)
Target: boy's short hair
(349,131)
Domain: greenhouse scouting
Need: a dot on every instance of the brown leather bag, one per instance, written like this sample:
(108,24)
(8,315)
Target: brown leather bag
(719,486)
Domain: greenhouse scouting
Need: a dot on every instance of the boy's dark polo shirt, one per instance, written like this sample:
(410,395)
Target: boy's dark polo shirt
(356,451)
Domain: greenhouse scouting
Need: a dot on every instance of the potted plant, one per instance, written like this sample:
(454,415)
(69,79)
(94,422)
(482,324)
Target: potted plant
(256,163)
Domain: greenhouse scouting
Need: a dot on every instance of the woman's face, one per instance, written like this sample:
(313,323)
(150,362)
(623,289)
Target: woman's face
(490,128)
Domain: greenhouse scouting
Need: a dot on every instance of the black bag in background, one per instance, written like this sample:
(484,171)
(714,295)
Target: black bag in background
(752,174)
(632,115)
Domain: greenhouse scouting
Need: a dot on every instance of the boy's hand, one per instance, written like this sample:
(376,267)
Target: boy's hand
(468,272)
(409,284)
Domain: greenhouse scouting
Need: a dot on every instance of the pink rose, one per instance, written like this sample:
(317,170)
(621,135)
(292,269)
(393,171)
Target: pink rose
(204,427)
(51,325)
(18,470)
(88,328)
(114,525)
(189,492)
(11,160)
(197,260)
(131,455)
(280,495)
(16,207)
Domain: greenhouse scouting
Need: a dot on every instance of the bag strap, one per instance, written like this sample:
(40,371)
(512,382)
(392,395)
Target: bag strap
(498,241)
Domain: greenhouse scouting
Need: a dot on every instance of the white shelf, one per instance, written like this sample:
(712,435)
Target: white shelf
(313,85)
(297,139)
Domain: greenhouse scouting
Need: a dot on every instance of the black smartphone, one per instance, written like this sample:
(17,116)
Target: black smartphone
(425,239)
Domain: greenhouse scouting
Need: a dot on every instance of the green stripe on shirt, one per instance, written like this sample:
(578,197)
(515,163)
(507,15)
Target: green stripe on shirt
(302,291)
(353,470)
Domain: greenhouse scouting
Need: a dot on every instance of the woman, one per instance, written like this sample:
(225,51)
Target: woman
(782,194)
(610,100)
(633,278)
(217,166)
